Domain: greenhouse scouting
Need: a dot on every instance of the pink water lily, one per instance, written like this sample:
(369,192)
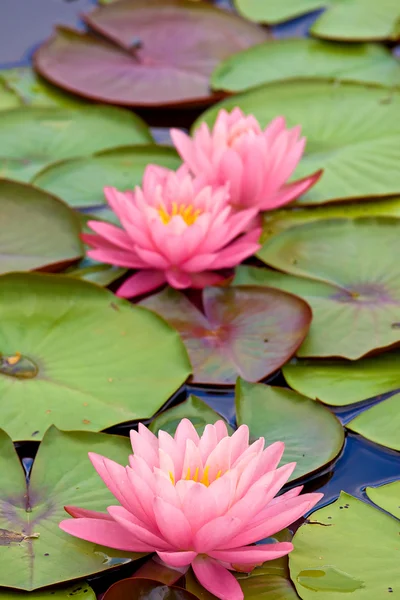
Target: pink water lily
(174,230)
(256,163)
(199,501)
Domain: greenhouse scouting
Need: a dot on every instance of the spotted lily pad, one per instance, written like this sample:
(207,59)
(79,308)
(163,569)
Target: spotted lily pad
(229,340)
(380,423)
(354,20)
(75,355)
(313,436)
(352,133)
(357,306)
(137,40)
(387,497)
(320,565)
(80,181)
(77,591)
(341,382)
(38,231)
(306,58)
(34,552)
(32,138)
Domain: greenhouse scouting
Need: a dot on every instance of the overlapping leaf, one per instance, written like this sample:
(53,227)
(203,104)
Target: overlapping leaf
(166,50)
(386,496)
(352,133)
(229,339)
(380,423)
(75,355)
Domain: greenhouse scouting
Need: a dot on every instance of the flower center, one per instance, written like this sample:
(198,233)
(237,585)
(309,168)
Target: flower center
(186,211)
(195,477)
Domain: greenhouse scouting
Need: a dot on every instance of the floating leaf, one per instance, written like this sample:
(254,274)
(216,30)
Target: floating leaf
(341,382)
(352,133)
(78,591)
(145,589)
(33,90)
(37,230)
(100,361)
(166,50)
(80,182)
(354,283)
(387,497)
(157,570)
(62,475)
(194,409)
(229,339)
(380,423)
(99,273)
(313,436)
(296,58)
(8,98)
(354,20)
(321,567)
(33,137)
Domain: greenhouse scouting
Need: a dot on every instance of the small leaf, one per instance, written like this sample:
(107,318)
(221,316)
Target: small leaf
(380,423)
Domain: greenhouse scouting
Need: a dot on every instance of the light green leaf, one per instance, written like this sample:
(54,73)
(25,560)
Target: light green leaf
(77,591)
(387,497)
(380,423)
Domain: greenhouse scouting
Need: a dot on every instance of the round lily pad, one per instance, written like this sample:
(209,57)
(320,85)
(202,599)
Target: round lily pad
(32,138)
(347,549)
(341,382)
(313,436)
(352,133)
(360,295)
(353,20)
(33,90)
(387,497)
(166,50)
(380,423)
(306,58)
(81,591)
(75,355)
(80,181)
(62,475)
(38,231)
(229,340)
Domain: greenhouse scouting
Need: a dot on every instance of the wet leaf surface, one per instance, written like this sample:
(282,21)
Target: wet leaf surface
(37,230)
(387,497)
(166,50)
(62,475)
(99,360)
(380,423)
(229,340)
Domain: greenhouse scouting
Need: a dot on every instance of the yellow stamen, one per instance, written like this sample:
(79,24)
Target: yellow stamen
(204,480)
(196,474)
(187,211)
(188,474)
(172,478)
(218,475)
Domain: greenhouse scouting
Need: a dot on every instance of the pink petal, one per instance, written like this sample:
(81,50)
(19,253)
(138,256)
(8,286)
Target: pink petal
(105,533)
(141,283)
(115,478)
(128,522)
(178,279)
(290,192)
(239,442)
(185,147)
(207,278)
(152,259)
(208,442)
(184,431)
(216,533)
(173,524)
(120,258)
(253,555)
(216,579)
(242,248)
(177,559)
(199,506)
(78,513)
(142,445)
(221,429)
(112,234)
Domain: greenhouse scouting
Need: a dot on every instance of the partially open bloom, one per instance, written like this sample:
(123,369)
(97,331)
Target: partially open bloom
(257,164)
(175,230)
(199,501)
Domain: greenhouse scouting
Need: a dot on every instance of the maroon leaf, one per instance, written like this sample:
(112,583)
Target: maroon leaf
(145,589)
(246,331)
(160,52)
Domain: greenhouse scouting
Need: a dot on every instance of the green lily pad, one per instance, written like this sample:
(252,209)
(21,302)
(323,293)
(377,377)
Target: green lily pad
(228,340)
(276,221)
(380,423)
(320,565)
(354,20)
(80,181)
(38,230)
(352,133)
(99,273)
(35,91)
(194,409)
(313,436)
(75,355)
(8,98)
(358,311)
(78,591)
(34,552)
(387,497)
(306,58)
(342,382)
(32,137)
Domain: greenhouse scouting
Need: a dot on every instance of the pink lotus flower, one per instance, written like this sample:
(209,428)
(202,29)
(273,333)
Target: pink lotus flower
(175,230)
(197,501)
(256,163)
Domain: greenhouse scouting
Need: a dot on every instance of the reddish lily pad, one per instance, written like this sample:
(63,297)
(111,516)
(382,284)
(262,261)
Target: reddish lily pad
(155,52)
(137,588)
(245,331)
